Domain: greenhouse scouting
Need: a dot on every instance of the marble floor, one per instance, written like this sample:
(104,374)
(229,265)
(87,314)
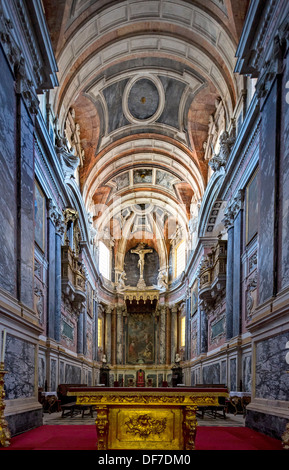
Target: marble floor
(56,419)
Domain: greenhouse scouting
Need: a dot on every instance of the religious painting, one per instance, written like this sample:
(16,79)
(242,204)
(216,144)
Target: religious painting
(252,208)
(140,339)
(194,298)
(39,216)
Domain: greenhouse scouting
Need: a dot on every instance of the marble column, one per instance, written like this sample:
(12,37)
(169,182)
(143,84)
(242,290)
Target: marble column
(108,313)
(203,331)
(119,333)
(60,229)
(162,356)
(229,278)
(188,329)
(237,307)
(95,330)
(51,221)
(174,333)
(168,335)
(80,334)
(85,331)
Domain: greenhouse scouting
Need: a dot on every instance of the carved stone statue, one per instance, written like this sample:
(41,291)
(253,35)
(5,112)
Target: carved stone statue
(141,251)
(178,359)
(121,282)
(220,159)
(163,280)
(68,160)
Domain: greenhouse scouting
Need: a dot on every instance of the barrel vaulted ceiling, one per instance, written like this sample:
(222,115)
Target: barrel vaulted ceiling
(143,78)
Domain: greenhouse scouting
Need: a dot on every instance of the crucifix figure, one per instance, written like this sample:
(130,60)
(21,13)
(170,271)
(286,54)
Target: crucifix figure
(141,251)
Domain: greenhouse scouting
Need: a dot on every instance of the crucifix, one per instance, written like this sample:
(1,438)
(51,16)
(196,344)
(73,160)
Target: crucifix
(141,251)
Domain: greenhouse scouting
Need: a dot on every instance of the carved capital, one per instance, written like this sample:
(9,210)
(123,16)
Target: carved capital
(52,212)
(60,227)
(233,209)
(237,203)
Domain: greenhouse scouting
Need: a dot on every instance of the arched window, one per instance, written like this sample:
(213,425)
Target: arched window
(104,260)
(180,259)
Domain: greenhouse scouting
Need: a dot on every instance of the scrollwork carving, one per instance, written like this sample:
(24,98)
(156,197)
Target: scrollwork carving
(146,426)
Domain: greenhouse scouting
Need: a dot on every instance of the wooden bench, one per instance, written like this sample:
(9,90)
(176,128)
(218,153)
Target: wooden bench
(72,409)
(215,411)
(69,409)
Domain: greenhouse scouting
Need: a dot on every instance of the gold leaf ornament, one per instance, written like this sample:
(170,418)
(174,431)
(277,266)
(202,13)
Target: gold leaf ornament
(145,426)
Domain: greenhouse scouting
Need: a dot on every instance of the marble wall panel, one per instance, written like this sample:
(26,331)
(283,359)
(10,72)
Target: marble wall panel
(174,90)
(53,375)
(113,95)
(20,363)
(8,213)
(211,374)
(41,372)
(267,197)
(143,176)
(272,378)
(27,208)
(89,378)
(224,372)
(246,373)
(122,181)
(72,374)
(61,372)
(284,175)
(233,374)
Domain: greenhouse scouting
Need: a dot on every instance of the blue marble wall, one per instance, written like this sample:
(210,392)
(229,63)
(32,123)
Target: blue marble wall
(174,90)
(267,197)
(41,372)
(233,374)
(53,375)
(284,196)
(20,364)
(272,379)
(113,95)
(246,374)
(61,373)
(211,374)
(26,205)
(223,372)
(8,213)
(72,374)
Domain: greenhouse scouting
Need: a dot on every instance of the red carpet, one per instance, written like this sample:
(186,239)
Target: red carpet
(84,438)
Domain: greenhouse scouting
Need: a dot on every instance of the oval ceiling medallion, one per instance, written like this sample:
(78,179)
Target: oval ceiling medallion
(143,99)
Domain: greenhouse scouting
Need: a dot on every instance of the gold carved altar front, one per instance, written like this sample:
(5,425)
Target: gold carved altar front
(147,419)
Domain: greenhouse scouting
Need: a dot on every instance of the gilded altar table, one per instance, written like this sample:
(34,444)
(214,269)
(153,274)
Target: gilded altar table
(147,418)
